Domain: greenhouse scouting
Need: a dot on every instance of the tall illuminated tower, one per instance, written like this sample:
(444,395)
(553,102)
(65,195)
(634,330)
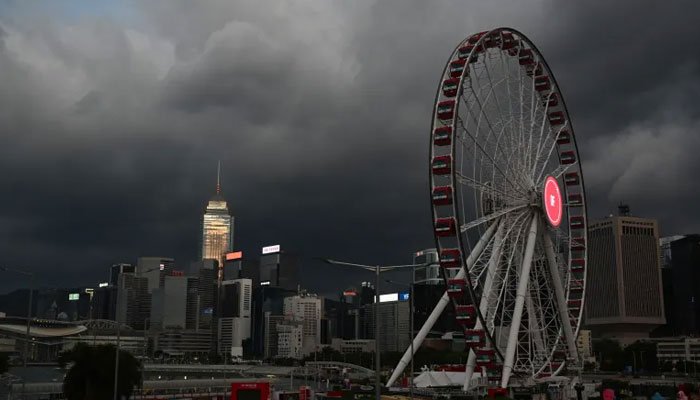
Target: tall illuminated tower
(217,226)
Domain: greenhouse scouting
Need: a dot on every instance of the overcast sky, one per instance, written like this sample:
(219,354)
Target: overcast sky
(112,118)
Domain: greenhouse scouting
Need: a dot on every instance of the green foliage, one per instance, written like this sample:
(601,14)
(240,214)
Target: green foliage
(4,363)
(91,375)
(610,353)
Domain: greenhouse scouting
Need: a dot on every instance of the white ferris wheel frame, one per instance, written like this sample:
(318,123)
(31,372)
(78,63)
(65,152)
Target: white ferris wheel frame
(502,154)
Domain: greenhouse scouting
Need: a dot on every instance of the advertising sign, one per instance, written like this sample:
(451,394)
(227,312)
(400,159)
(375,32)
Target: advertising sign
(271,249)
(73,296)
(383,298)
(552,201)
(236,255)
(404,296)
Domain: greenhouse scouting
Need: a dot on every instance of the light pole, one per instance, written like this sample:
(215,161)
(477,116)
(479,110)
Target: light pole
(377,269)
(29,319)
(410,322)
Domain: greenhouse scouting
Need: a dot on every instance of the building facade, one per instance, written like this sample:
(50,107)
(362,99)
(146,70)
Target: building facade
(217,228)
(394,328)
(682,279)
(279,268)
(624,293)
(307,309)
(290,339)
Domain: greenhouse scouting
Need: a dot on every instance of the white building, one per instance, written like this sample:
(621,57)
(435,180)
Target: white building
(289,339)
(684,349)
(584,345)
(308,310)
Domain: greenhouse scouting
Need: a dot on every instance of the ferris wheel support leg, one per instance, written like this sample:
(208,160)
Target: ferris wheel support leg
(561,296)
(519,302)
(440,306)
(486,299)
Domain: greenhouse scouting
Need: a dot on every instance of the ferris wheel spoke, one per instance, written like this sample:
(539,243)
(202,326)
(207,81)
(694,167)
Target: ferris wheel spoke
(560,295)
(482,113)
(542,137)
(551,150)
(491,159)
(523,281)
(491,217)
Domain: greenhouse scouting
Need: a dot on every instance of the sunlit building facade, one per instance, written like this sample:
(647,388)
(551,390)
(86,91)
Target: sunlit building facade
(217,229)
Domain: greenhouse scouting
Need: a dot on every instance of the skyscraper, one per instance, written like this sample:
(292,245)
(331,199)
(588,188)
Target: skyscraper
(217,227)
(624,295)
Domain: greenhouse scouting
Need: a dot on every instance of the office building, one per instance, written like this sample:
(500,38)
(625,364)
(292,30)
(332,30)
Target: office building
(681,275)
(279,268)
(120,268)
(266,300)
(234,322)
(624,294)
(217,228)
(430,274)
(308,310)
(206,272)
(270,335)
(290,339)
(169,304)
(394,319)
(192,307)
(183,343)
(155,269)
(135,301)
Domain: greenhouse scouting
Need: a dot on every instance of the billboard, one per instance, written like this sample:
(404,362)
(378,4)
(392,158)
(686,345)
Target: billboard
(383,298)
(271,249)
(404,296)
(73,296)
(103,284)
(236,255)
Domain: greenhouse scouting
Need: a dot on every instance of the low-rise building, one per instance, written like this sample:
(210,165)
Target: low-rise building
(683,349)
(353,345)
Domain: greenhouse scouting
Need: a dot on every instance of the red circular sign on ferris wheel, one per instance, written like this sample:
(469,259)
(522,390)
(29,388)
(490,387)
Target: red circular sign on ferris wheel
(552,201)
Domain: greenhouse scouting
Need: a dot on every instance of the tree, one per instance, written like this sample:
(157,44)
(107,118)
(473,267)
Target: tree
(4,363)
(91,375)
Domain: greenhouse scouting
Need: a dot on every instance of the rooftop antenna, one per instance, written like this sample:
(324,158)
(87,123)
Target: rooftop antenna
(218,174)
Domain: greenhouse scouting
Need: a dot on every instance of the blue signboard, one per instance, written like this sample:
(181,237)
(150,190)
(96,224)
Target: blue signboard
(403,296)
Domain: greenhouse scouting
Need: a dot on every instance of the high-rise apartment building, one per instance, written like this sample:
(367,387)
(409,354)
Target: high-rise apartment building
(308,310)
(624,294)
(217,228)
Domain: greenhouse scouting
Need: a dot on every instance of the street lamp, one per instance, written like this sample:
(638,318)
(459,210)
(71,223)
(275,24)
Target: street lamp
(410,322)
(377,269)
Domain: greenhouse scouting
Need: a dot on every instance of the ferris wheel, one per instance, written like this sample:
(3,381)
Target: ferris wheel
(509,209)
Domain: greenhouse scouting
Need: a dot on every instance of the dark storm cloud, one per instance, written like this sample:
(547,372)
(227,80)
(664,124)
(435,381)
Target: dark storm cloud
(319,111)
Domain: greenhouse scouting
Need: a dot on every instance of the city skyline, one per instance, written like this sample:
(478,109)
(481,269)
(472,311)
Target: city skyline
(312,161)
